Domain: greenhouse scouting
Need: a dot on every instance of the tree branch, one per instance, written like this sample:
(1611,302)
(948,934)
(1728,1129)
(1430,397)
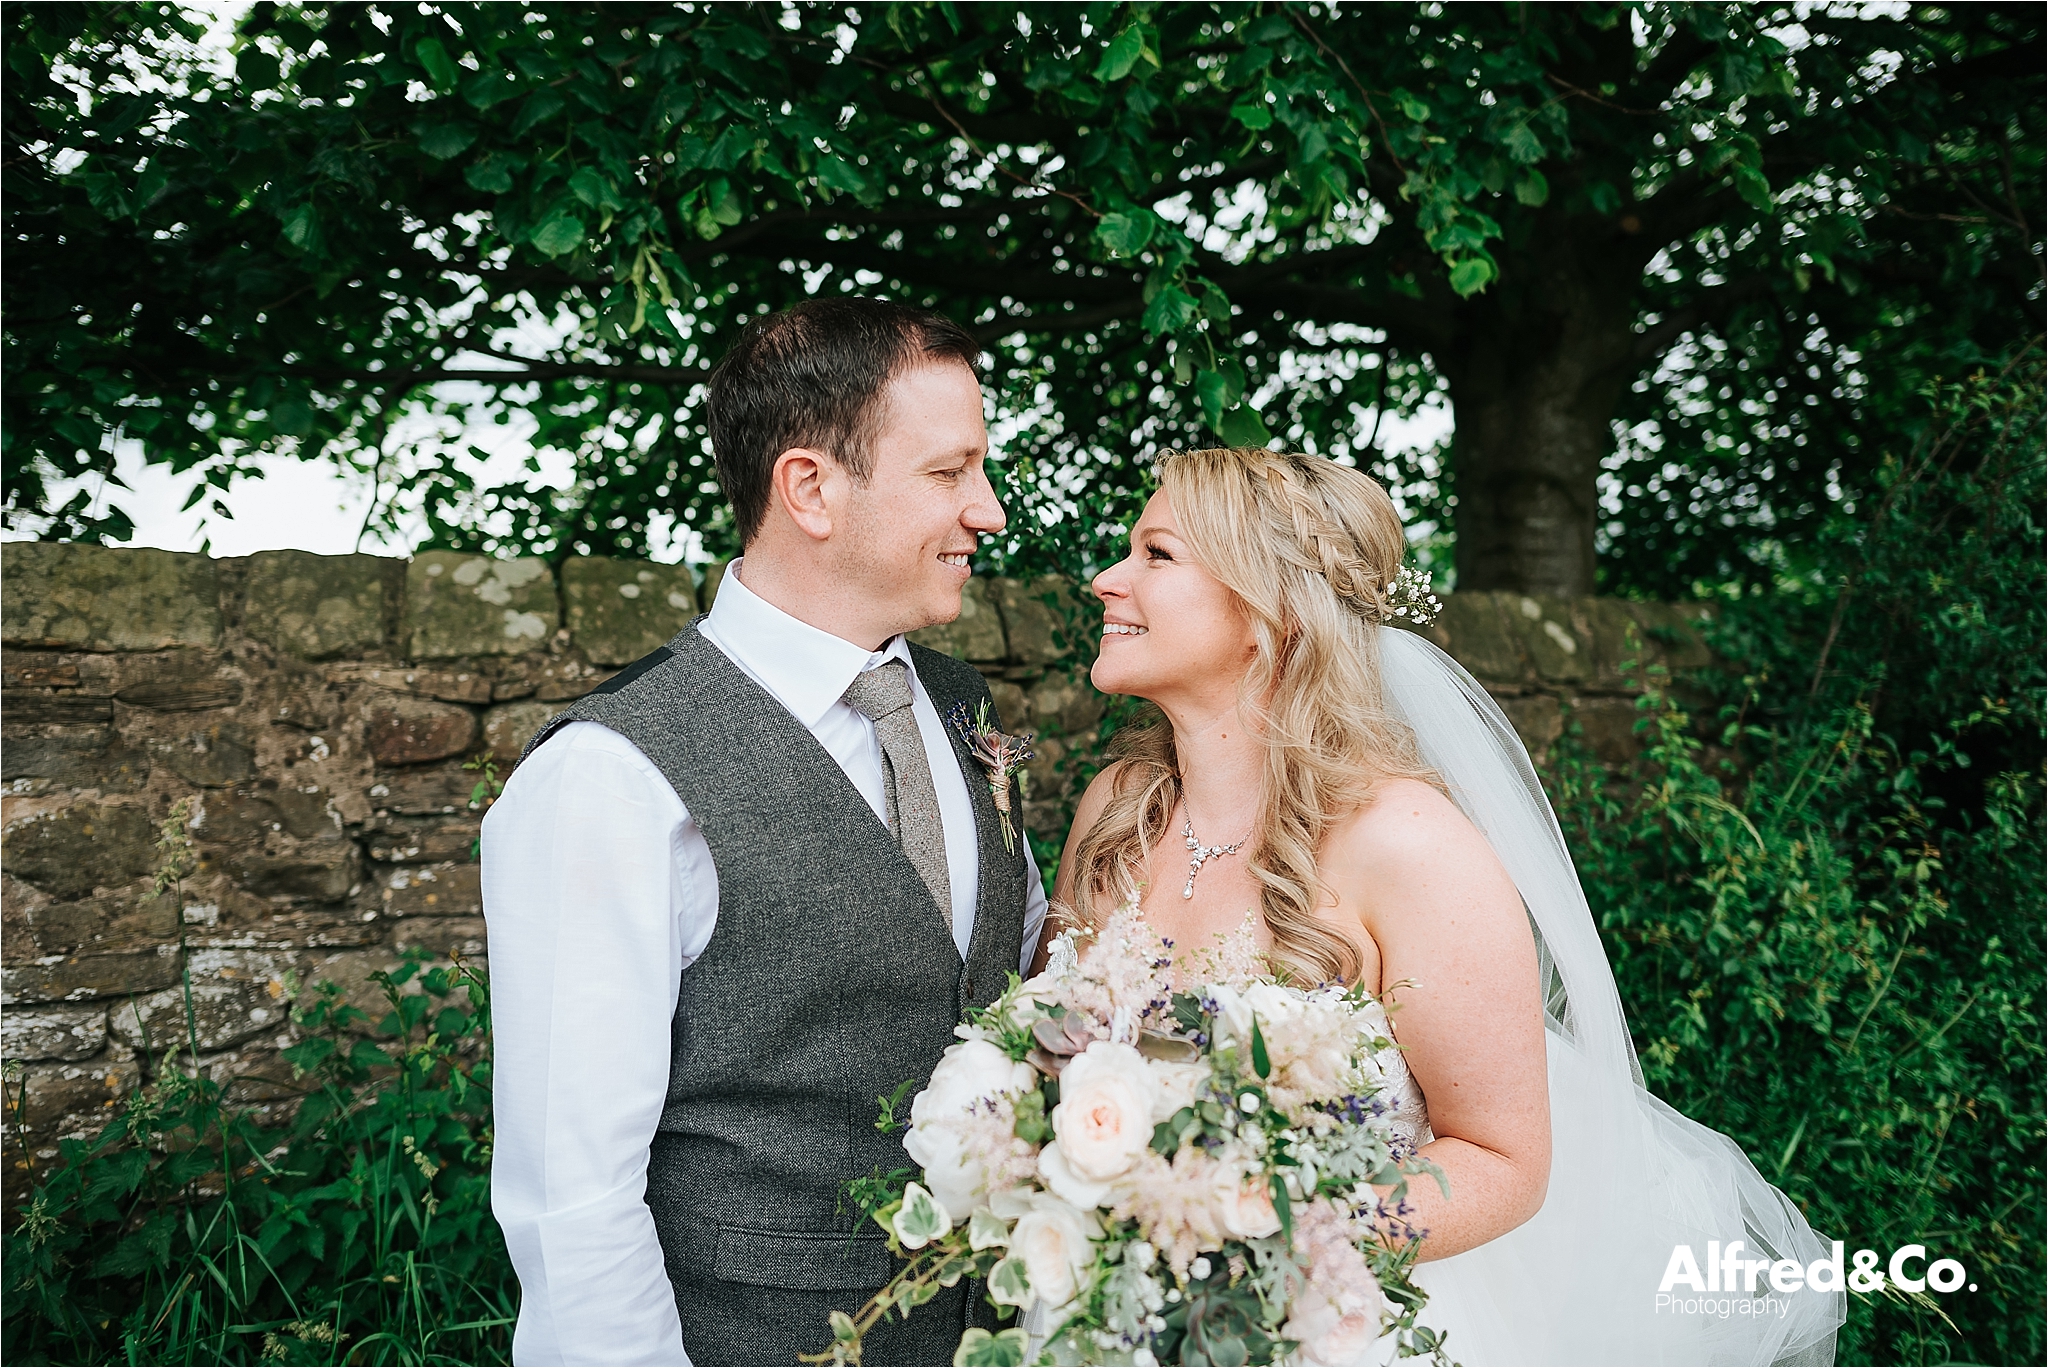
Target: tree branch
(1711,306)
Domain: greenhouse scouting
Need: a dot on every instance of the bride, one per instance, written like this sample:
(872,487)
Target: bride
(1353,786)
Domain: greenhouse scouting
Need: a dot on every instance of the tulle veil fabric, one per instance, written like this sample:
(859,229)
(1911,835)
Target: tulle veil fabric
(1630,1177)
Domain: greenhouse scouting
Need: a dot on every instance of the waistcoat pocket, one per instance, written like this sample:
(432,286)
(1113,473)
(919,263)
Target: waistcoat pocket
(808,1261)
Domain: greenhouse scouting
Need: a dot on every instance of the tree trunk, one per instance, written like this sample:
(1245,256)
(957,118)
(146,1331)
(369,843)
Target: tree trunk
(1535,373)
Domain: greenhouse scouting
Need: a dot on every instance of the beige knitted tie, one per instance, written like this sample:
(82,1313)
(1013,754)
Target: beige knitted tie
(883,693)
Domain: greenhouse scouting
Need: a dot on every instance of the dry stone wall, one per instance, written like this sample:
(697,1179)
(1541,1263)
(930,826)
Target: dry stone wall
(328,719)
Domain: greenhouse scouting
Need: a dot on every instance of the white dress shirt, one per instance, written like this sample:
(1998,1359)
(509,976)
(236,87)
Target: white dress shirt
(599,892)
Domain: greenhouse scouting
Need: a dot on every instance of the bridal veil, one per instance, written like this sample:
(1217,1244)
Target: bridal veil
(1631,1179)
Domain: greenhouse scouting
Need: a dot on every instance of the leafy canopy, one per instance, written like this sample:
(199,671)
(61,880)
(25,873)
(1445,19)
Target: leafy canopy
(1171,224)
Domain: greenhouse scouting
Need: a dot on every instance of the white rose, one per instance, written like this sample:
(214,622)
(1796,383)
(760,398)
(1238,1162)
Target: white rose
(1109,1102)
(1244,1202)
(1059,1177)
(1052,1240)
(953,1172)
(967,1073)
(1328,1334)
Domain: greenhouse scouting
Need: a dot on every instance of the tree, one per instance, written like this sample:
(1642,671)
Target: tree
(1169,223)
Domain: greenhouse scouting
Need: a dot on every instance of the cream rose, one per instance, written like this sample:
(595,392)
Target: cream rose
(1330,1334)
(1244,1203)
(1109,1102)
(953,1171)
(1052,1240)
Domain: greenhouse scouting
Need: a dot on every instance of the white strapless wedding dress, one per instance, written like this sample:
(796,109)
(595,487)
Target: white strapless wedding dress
(1577,1283)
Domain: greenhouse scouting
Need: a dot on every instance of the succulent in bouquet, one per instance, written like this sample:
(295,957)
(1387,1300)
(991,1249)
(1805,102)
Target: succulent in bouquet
(1136,1172)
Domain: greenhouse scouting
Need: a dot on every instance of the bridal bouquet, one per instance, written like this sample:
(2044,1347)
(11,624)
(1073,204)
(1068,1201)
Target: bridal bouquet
(1151,1175)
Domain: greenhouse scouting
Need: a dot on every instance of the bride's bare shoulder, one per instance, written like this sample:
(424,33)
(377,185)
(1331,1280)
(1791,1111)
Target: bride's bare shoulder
(1409,826)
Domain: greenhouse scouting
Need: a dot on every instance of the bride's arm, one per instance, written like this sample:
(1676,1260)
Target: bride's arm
(1447,919)
(1086,814)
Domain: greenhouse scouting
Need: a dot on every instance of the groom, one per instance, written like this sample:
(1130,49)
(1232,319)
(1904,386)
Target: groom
(750,884)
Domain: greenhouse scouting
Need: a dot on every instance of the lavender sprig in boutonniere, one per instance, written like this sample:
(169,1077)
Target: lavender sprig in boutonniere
(1000,755)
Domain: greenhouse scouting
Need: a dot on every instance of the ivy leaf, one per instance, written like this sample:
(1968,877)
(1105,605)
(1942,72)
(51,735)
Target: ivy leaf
(980,1349)
(1243,427)
(1125,234)
(1122,54)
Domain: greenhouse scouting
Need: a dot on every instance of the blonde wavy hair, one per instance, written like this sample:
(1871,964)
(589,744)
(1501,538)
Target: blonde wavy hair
(1309,548)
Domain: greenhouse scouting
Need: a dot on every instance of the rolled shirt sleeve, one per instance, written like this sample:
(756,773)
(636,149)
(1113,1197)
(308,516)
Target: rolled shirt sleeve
(598,892)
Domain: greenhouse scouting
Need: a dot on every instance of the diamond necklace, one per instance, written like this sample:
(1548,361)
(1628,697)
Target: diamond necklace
(1203,854)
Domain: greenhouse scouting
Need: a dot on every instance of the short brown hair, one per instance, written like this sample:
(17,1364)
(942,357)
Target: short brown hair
(812,376)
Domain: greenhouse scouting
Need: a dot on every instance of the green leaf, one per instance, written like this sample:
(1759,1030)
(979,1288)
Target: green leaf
(1262,1062)
(839,173)
(1754,189)
(1008,1283)
(590,186)
(1122,54)
(1283,1207)
(440,67)
(980,1349)
(447,141)
(1470,275)
(1252,113)
(1243,427)
(1169,311)
(921,1219)
(488,88)
(1126,233)
(1415,109)
(491,173)
(540,106)
(302,225)
(561,232)
(1523,145)
(1532,188)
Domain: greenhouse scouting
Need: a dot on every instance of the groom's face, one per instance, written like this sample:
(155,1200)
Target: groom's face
(912,528)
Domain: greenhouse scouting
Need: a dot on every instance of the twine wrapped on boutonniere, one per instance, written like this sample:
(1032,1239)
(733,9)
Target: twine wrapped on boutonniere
(1000,755)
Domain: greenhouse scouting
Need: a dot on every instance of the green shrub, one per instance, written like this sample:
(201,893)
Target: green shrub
(193,1231)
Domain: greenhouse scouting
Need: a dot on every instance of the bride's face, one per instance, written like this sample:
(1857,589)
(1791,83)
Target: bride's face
(1169,628)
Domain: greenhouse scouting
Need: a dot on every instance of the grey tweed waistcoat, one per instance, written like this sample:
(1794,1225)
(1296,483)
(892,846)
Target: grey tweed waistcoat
(831,978)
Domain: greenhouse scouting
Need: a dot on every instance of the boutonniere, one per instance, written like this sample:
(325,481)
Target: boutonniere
(1000,755)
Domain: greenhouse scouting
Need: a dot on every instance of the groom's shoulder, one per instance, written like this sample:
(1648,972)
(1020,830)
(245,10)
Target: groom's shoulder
(941,673)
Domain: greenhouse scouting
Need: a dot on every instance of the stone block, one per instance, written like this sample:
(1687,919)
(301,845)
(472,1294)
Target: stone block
(507,729)
(426,843)
(316,607)
(82,978)
(1013,705)
(74,1100)
(424,792)
(1607,727)
(315,872)
(92,758)
(1046,620)
(71,851)
(53,1033)
(38,671)
(96,598)
(450,686)
(1673,631)
(464,605)
(1561,653)
(408,731)
(211,757)
(443,937)
(1064,703)
(177,681)
(113,923)
(445,890)
(619,610)
(1473,631)
(1537,719)
(977,634)
(225,1012)
(1616,641)
(58,707)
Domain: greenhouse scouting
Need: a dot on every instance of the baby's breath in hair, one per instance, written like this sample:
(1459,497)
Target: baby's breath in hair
(1410,599)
